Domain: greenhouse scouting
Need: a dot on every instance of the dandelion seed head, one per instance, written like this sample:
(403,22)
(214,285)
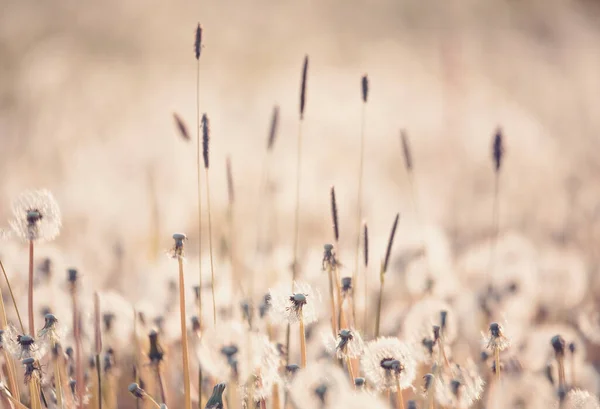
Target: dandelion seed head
(496,338)
(358,400)
(387,361)
(287,307)
(459,387)
(36,216)
(348,343)
(427,313)
(318,385)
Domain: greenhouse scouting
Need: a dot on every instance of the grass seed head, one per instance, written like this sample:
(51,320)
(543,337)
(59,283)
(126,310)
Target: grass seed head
(365,88)
(198,42)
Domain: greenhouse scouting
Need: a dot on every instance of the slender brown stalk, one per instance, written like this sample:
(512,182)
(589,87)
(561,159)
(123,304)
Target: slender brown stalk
(384,267)
(98,346)
(79,373)
(497,155)
(366,276)
(13,385)
(12,296)
(198,50)
(231,222)
(399,397)
(184,339)
(30,291)
(359,199)
(205,152)
(350,371)
(295,265)
(302,341)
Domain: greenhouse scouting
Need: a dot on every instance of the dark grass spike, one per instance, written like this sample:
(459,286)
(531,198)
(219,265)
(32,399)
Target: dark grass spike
(181,127)
(498,149)
(273,128)
(365,88)
(198,42)
(408,162)
(334,215)
(205,139)
(390,243)
(230,188)
(303,87)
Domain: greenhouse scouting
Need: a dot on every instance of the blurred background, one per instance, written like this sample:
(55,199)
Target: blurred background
(88,92)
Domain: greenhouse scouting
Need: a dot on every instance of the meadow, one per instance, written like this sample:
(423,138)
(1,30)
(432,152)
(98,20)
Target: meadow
(299,206)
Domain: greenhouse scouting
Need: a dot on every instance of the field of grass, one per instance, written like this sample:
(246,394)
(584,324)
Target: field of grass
(299,205)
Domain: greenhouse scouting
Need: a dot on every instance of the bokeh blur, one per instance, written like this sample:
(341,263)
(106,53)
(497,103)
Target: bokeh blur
(87,96)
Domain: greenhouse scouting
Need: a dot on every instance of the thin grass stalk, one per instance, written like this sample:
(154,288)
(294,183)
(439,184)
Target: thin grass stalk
(302,341)
(79,375)
(14,401)
(210,247)
(184,340)
(298,182)
(205,154)
(30,291)
(497,363)
(497,155)
(12,296)
(359,199)
(366,277)
(13,385)
(198,50)
(34,395)
(136,358)
(198,173)
(384,267)
(231,224)
(57,376)
(98,346)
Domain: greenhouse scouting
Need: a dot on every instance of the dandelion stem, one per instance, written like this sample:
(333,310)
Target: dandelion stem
(210,247)
(302,340)
(12,296)
(497,362)
(399,397)
(350,370)
(79,378)
(34,395)
(184,340)
(30,291)
(334,327)
(366,277)
(161,385)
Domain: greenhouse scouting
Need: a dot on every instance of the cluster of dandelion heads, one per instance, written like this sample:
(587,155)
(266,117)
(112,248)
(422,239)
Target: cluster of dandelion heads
(387,361)
(36,216)
(318,385)
(347,344)
(459,386)
(303,301)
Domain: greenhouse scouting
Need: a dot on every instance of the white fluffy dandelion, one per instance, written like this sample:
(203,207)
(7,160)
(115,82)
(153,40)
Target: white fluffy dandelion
(460,387)
(288,306)
(389,362)
(348,344)
(36,216)
(318,386)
